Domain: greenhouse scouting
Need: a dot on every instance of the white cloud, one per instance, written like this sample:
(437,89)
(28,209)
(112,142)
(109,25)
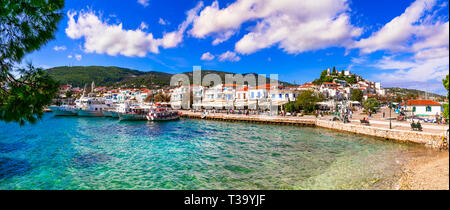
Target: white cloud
(172,39)
(207,56)
(78,57)
(416,70)
(229,56)
(421,41)
(163,22)
(396,35)
(143,2)
(143,26)
(295,26)
(432,53)
(58,48)
(69,56)
(102,37)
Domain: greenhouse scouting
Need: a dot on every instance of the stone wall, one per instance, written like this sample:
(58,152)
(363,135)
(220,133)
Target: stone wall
(428,139)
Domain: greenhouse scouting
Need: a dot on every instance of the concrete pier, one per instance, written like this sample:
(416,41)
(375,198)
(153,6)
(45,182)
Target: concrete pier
(428,139)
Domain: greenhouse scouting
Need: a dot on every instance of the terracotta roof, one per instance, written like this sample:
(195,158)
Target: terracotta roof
(243,89)
(231,85)
(329,83)
(422,103)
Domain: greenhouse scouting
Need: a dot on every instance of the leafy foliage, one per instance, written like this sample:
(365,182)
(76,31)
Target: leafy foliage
(446,85)
(25,25)
(162,97)
(290,107)
(357,95)
(307,100)
(119,77)
(27,96)
(406,94)
(371,104)
(107,76)
(324,77)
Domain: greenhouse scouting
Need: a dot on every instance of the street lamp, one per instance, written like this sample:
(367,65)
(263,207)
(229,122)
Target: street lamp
(390,111)
(390,118)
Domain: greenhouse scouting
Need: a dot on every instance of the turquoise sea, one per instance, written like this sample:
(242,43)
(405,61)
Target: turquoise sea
(103,153)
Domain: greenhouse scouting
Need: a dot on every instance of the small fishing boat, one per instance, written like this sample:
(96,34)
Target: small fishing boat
(107,113)
(89,113)
(162,114)
(91,107)
(132,117)
(64,110)
(134,114)
(114,114)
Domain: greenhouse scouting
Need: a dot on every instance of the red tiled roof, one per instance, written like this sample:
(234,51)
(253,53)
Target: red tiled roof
(243,89)
(329,83)
(266,86)
(422,103)
(231,85)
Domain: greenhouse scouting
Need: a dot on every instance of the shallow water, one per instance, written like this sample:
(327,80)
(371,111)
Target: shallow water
(103,153)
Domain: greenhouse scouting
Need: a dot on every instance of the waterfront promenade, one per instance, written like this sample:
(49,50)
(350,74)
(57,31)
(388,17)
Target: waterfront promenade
(431,135)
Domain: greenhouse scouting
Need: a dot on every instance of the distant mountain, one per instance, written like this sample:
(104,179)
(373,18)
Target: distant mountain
(119,77)
(416,93)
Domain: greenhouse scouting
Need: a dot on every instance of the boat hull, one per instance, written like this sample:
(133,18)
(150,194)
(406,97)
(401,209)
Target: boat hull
(168,118)
(88,113)
(114,114)
(58,111)
(131,117)
(107,113)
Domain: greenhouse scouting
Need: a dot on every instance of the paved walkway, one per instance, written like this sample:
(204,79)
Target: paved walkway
(375,121)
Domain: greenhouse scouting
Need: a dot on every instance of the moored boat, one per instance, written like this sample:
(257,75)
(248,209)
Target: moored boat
(162,114)
(131,117)
(89,113)
(91,107)
(114,114)
(134,113)
(107,113)
(63,110)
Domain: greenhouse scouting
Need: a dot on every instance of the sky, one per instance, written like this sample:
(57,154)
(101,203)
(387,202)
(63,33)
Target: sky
(398,43)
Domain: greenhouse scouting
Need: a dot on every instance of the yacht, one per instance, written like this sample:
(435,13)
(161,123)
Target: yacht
(91,106)
(134,113)
(63,110)
(162,114)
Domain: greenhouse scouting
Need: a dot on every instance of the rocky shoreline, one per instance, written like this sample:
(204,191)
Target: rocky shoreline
(426,172)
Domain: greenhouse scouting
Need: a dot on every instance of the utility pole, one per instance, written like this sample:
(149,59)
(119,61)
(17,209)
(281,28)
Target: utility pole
(390,119)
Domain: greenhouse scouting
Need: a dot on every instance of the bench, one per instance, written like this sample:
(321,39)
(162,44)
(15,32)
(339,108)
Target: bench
(416,126)
(364,122)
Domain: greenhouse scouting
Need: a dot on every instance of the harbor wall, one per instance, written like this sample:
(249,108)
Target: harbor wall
(428,139)
(432,140)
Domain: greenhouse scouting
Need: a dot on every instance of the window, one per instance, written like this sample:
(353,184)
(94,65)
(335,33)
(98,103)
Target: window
(414,109)
(428,109)
(253,95)
(259,95)
(273,95)
(281,96)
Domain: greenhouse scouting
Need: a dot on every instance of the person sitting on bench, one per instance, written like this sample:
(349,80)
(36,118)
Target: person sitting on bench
(364,121)
(416,126)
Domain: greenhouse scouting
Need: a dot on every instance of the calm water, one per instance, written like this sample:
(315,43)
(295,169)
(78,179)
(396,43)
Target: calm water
(102,153)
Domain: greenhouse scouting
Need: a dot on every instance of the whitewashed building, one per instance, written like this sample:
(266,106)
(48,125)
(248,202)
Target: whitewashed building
(423,107)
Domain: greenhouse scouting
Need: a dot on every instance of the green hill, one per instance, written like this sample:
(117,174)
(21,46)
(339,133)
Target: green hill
(413,93)
(118,77)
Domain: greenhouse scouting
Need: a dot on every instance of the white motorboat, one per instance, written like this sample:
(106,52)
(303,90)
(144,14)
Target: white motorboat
(64,110)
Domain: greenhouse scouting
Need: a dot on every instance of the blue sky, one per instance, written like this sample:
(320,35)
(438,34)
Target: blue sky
(400,43)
